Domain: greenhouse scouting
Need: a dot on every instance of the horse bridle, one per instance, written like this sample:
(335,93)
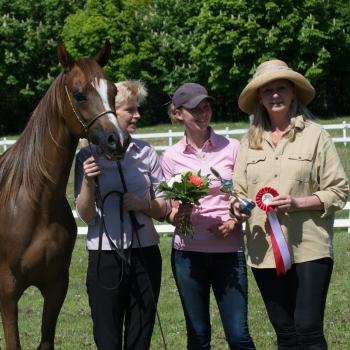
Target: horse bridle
(86,126)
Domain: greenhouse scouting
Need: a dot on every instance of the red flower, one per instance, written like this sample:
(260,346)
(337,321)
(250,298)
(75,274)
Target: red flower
(195,180)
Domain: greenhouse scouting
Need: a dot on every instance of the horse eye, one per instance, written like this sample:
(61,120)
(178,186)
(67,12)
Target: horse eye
(79,96)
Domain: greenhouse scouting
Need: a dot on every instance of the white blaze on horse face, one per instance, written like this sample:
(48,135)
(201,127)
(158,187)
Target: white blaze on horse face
(101,87)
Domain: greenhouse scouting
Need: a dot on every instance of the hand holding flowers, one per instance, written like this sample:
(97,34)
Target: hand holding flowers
(187,187)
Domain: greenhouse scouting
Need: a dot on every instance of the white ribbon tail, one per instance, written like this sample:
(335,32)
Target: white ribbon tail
(280,239)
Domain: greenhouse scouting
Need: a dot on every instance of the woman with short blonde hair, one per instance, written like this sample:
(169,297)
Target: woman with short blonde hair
(117,200)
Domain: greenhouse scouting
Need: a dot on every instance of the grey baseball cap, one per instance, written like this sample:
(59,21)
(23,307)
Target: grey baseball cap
(190,95)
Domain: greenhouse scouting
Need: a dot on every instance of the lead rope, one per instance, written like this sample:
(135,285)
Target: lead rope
(120,252)
(136,226)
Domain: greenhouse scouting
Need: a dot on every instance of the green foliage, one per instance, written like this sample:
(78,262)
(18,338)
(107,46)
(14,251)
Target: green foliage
(85,30)
(29,33)
(217,43)
(235,36)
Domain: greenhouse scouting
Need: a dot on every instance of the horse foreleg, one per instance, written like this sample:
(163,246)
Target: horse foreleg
(54,294)
(9,310)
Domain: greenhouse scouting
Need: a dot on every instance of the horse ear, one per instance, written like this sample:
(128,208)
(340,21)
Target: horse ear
(103,56)
(66,60)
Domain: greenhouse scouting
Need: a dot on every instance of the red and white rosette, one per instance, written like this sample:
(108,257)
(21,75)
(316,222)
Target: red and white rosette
(278,240)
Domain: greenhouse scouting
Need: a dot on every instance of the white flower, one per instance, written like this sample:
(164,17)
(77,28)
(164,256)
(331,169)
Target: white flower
(177,178)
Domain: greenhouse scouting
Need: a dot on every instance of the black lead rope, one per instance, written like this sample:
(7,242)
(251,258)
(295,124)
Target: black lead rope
(135,224)
(135,227)
(120,251)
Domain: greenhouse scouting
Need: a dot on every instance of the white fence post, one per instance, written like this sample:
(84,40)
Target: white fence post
(344,132)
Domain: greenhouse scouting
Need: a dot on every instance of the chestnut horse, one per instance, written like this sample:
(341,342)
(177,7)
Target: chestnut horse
(37,228)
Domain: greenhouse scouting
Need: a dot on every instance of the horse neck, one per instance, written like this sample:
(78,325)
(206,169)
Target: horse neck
(37,167)
(60,155)
(57,144)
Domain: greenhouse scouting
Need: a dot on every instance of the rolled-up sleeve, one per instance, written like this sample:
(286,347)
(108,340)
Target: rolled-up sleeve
(333,184)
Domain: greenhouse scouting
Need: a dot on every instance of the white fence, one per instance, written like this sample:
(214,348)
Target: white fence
(170,135)
(161,229)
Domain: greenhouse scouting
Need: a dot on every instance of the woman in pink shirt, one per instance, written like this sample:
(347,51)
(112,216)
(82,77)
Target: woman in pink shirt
(213,257)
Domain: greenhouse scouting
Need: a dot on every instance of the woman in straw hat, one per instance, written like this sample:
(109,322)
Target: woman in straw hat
(290,166)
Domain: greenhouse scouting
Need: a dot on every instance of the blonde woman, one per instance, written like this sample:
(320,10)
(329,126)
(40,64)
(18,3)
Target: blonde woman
(286,152)
(124,270)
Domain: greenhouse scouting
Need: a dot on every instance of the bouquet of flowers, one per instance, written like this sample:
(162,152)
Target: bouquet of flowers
(187,187)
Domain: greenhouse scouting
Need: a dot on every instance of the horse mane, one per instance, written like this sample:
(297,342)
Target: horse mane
(24,164)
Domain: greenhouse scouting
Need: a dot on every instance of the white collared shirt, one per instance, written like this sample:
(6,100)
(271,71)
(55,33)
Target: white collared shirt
(142,175)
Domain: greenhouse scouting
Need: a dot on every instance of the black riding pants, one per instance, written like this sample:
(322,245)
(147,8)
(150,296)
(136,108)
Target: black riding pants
(132,301)
(295,303)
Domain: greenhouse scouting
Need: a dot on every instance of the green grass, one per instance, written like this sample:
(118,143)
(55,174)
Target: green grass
(74,329)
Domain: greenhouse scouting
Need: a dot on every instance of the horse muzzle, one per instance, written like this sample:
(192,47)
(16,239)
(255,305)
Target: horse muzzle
(112,144)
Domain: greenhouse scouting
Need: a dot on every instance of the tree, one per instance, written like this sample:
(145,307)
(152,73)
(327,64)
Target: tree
(220,42)
(29,33)
(150,41)
(217,43)
(235,36)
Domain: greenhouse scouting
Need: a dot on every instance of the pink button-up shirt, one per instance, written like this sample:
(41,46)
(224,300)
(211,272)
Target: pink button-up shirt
(220,153)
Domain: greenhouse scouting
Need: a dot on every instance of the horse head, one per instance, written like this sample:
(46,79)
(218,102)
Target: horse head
(90,106)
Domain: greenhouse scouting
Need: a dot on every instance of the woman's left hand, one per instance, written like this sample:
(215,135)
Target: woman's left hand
(288,203)
(284,203)
(223,229)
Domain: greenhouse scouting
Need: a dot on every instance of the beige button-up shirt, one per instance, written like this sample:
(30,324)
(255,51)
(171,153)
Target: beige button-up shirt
(307,166)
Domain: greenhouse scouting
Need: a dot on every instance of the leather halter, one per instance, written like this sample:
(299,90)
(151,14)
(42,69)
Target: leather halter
(86,126)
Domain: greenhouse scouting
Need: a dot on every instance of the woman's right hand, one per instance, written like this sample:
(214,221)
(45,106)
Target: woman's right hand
(85,202)
(91,169)
(179,213)
(240,217)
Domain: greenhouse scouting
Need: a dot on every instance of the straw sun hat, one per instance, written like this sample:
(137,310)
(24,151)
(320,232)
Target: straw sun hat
(267,72)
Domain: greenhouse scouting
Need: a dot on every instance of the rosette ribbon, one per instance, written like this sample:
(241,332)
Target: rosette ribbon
(278,240)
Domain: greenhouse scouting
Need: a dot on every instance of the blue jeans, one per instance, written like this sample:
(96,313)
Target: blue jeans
(226,273)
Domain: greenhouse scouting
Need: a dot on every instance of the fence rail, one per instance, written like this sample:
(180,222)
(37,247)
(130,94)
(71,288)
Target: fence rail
(169,229)
(170,135)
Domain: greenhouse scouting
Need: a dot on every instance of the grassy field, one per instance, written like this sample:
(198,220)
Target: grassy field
(74,330)
(74,326)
